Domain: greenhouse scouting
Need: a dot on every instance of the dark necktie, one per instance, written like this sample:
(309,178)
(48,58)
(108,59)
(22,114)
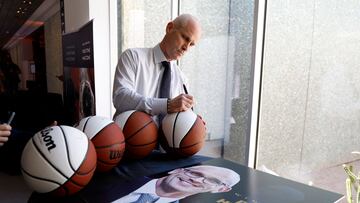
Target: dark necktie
(146,198)
(165,85)
(165,81)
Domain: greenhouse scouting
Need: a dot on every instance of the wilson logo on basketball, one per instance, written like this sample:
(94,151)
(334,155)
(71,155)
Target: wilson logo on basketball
(115,154)
(48,139)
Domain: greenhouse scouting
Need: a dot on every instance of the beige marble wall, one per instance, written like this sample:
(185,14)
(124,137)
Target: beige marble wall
(310,93)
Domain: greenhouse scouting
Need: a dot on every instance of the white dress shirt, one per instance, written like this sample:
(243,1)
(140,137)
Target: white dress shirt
(148,188)
(137,81)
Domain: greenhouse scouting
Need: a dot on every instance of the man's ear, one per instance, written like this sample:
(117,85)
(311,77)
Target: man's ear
(222,189)
(169,27)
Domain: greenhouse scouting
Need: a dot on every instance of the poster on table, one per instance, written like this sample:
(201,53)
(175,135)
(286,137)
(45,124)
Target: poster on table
(78,61)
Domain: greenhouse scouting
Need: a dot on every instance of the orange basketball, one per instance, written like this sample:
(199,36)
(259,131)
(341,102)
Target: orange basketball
(183,134)
(107,138)
(140,133)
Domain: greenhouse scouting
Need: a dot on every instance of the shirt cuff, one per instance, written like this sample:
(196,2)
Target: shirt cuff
(159,106)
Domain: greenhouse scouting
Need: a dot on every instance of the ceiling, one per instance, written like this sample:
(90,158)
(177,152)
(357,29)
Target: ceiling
(13,14)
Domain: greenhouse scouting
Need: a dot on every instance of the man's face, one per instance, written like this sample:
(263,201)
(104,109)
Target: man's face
(180,39)
(190,181)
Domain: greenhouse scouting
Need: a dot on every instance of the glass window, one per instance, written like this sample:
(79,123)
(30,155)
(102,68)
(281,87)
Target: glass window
(142,22)
(219,72)
(218,67)
(309,122)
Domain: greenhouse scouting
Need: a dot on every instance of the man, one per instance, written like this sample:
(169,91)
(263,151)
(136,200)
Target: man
(183,182)
(140,71)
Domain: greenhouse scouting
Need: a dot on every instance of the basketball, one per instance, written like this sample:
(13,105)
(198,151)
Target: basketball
(107,138)
(140,133)
(183,134)
(59,160)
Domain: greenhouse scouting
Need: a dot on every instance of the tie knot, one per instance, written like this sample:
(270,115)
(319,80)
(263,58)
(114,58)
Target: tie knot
(147,198)
(166,64)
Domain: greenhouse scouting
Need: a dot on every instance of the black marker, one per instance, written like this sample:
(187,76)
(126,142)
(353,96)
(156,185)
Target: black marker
(186,92)
(11,118)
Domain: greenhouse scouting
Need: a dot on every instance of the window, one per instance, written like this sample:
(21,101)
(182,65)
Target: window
(218,67)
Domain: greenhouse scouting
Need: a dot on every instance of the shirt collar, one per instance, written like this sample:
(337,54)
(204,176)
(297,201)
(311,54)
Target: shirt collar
(149,187)
(158,54)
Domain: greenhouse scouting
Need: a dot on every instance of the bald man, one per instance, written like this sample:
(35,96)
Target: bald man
(139,72)
(184,182)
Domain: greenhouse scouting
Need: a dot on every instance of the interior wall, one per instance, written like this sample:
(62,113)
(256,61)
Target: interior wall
(22,55)
(77,14)
(53,46)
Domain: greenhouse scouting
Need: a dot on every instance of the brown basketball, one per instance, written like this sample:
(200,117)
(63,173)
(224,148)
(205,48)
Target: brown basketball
(107,138)
(183,134)
(140,131)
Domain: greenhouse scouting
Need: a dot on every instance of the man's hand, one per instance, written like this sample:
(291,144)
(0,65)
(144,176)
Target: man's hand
(182,102)
(5,131)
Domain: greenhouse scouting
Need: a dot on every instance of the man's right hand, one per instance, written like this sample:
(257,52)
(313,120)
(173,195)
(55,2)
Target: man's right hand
(5,131)
(182,102)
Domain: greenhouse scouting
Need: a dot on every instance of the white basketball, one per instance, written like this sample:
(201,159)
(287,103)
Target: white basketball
(53,157)
(183,133)
(92,125)
(107,138)
(176,125)
(123,117)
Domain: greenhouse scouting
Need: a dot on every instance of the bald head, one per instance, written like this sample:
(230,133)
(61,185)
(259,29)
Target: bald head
(183,182)
(181,34)
(184,20)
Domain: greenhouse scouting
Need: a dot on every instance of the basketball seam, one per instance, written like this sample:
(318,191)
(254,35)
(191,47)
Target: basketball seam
(105,146)
(81,174)
(87,153)
(184,147)
(128,138)
(123,128)
(141,144)
(67,149)
(48,161)
(85,173)
(39,178)
(100,130)
(75,183)
(85,124)
(173,134)
(189,131)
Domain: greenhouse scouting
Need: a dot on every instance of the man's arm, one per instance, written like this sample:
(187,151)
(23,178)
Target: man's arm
(125,96)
